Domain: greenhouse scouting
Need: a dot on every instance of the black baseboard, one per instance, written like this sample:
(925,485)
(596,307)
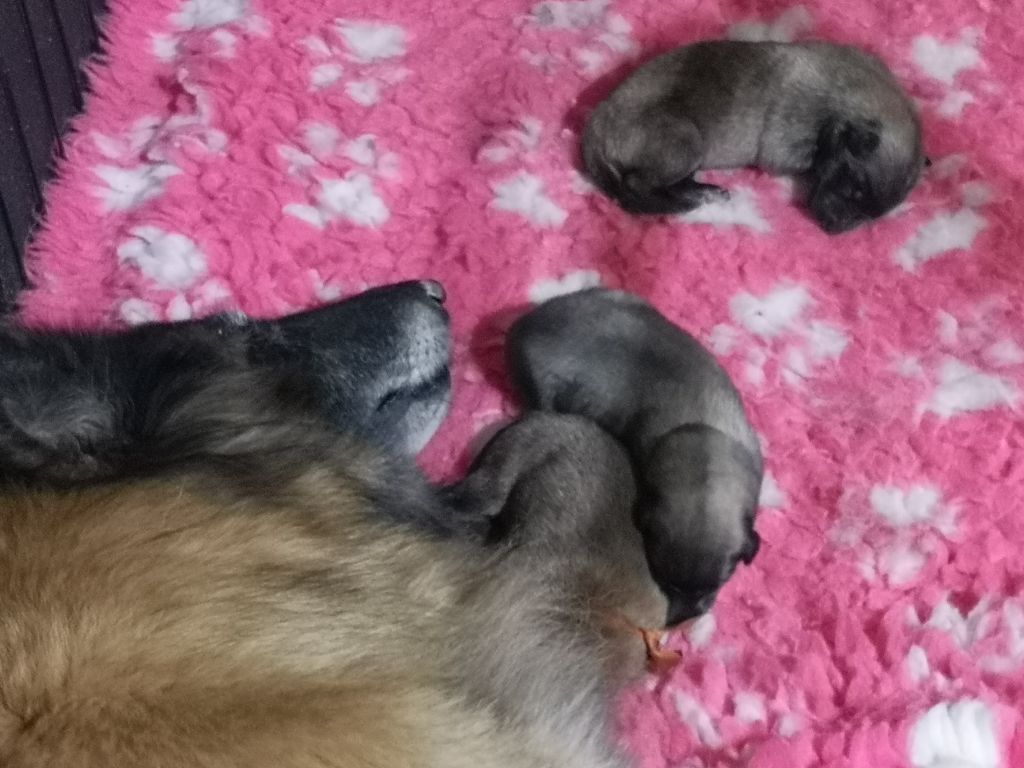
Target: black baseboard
(43,44)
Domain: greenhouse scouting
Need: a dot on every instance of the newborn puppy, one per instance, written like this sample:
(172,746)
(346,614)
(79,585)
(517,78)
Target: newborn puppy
(830,112)
(558,494)
(614,358)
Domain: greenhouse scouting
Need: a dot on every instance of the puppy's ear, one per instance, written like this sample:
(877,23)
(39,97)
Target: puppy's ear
(856,138)
(751,546)
(861,139)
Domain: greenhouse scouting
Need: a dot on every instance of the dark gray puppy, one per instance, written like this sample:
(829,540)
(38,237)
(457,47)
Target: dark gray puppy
(559,492)
(831,112)
(611,356)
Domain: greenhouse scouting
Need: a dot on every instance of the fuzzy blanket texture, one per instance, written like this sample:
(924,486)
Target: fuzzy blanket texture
(267,156)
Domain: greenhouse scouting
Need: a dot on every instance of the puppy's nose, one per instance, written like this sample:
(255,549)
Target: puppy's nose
(706,603)
(833,226)
(683,608)
(434,290)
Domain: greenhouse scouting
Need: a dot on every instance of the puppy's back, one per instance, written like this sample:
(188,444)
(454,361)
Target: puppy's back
(860,86)
(726,104)
(644,368)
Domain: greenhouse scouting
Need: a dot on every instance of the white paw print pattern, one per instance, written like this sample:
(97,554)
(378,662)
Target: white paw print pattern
(523,191)
(739,210)
(962,388)
(331,192)
(948,231)
(775,326)
(977,363)
(224,22)
(170,260)
(943,233)
(772,494)
(571,282)
(692,712)
(204,14)
(140,161)
(124,188)
(508,142)
(984,331)
(359,56)
(780,713)
(602,38)
(943,61)
(990,633)
(325,290)
(174,266)
(893,530)
(958,734)
(786,27)
(211,296)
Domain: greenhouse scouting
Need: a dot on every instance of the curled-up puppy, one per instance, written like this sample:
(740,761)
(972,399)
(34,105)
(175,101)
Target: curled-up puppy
(569,591)
(832,113)
(612,357)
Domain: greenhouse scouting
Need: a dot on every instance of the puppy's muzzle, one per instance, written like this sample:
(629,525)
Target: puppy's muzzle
(684,605)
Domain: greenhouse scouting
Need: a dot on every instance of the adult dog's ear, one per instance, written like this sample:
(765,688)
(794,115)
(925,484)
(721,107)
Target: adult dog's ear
(50,421)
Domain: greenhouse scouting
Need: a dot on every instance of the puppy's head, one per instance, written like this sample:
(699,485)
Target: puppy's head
(855,178)
(699,497)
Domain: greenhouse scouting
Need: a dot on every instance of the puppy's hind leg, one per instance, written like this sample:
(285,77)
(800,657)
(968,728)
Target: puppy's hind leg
(664,157)
(679,197)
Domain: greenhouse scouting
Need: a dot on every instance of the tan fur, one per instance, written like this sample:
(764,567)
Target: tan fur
(215,636)
(167,623)
(232,576)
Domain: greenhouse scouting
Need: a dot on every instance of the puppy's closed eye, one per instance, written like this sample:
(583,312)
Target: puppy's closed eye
(858,140)
(861,139)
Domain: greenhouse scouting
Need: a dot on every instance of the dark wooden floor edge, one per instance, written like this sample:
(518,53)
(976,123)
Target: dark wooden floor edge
(43,46)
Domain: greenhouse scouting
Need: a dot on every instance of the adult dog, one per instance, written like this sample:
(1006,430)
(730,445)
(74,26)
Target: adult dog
(215,551)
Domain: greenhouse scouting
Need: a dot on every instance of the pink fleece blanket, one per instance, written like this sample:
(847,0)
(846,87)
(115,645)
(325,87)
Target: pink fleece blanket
(269,155)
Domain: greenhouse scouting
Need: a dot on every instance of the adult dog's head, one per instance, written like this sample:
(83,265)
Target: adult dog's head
(197,556)
(77,406)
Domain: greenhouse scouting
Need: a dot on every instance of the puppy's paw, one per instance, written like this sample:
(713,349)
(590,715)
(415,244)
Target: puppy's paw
(714,194)
(688,194)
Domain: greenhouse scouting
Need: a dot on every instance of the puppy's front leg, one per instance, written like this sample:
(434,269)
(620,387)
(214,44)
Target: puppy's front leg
(677,197)
(690,193)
